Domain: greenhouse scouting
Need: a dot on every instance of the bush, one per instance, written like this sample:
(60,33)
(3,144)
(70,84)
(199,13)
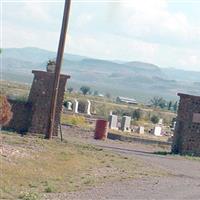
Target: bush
(5,111)
(137,114)
(154,119)
(49,189)
(73,120)
(29,196)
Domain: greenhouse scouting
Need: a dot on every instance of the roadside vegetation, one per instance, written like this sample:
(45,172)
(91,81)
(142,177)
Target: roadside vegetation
(74,120)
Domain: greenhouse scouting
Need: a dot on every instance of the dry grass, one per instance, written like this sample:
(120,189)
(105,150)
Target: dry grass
(14,89)
(73,120)
(37,166)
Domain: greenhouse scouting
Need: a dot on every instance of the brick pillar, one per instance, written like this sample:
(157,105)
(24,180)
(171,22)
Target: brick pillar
(187,133)
(40,98)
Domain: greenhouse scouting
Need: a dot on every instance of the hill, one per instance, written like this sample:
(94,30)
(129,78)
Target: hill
(134,79)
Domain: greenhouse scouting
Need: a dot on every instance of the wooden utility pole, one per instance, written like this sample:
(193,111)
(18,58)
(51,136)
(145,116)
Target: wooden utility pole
(58,69)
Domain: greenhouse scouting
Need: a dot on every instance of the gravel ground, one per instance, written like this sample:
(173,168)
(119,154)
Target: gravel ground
(183,183)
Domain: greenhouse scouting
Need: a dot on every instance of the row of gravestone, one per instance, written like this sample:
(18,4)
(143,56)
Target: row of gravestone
(74,106)
(125,125)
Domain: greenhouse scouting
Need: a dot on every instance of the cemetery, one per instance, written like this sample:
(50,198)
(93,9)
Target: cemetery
(60,144)
(29,112)
(117,124)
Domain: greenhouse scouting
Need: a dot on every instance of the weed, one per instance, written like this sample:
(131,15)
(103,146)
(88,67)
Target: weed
(29,196)
(88,182)
(49,189)
(31,185)
(73,120)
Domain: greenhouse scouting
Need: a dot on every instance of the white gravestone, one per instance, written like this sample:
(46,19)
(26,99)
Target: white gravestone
(157,131)
(69,105)
(88,107)
(75,106)
(113,122)
(126,123)
(141,130)
(160,122)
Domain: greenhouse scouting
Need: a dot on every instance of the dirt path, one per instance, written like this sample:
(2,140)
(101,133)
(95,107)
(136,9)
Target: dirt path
(183,183)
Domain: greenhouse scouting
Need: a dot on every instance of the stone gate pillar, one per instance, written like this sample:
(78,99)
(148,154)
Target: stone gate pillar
(40,98)
(186,138)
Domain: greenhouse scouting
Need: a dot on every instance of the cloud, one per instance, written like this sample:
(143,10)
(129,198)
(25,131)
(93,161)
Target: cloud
(15,36)
(110,46)
(153,21)
(36,11)
(83,20)
(125,30)
(190,60)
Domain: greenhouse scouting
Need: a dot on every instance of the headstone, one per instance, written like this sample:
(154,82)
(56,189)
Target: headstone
(69,105)
(160,122)
(174,125)
(157,131)
(126,123)
(75,106)
(113,122)
(141,130)
(88,107)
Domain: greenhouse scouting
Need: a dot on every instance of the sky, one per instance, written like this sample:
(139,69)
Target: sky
(165,33)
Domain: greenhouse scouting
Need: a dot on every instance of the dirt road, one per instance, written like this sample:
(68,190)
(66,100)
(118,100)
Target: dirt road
(182,183)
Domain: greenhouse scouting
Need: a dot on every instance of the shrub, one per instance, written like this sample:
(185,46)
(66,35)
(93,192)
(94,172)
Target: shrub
(73,120)
(49,189)
(29,196)
(136,114)
(154,119)
(5,111)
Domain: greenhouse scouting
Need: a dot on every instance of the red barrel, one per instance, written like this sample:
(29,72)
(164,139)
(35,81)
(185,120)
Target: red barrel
(101,130)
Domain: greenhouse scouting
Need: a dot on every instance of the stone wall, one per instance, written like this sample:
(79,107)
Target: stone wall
(40,98)
(21,119)
(187,133)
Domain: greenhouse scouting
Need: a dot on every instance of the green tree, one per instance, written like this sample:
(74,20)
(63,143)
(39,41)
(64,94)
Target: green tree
(85,90)
(136,114)
(175,106)
(158,102)
(154,119)
(170,105)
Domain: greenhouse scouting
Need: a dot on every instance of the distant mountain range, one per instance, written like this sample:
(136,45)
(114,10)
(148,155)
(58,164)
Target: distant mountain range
(135,79)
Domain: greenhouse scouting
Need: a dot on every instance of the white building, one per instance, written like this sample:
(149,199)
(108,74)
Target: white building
(126,100)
